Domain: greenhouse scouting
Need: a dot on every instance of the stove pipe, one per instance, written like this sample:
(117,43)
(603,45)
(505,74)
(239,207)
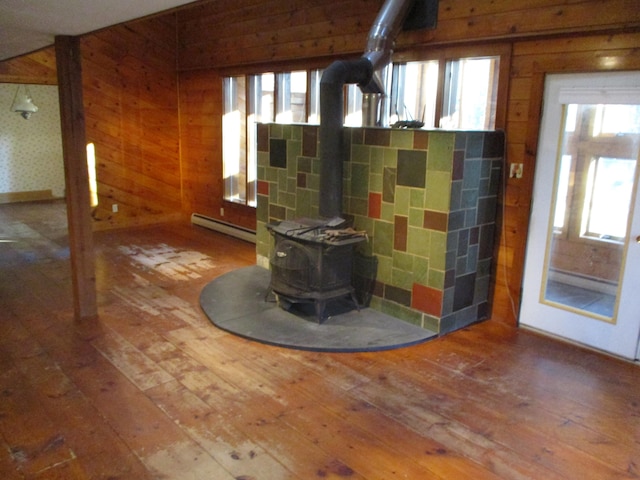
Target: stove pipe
(366,72)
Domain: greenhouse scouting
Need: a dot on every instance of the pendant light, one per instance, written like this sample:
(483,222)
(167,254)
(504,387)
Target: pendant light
(22,102)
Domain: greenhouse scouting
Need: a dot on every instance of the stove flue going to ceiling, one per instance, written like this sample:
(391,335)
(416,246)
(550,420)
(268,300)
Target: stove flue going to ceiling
(367,73)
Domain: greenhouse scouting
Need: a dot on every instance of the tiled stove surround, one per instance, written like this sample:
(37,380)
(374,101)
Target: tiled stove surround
(427,199)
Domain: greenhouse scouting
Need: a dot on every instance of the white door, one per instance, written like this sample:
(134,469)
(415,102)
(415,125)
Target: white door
(582,267)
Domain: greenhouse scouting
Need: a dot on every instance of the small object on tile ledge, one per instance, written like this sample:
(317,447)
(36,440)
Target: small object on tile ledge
(408,124)
(345,232)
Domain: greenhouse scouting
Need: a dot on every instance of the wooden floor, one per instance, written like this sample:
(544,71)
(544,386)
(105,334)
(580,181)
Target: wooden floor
(153,390)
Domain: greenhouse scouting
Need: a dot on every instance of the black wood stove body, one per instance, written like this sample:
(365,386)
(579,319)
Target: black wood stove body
(311,263)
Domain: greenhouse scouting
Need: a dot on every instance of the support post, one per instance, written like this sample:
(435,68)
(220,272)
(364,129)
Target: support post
(76,176)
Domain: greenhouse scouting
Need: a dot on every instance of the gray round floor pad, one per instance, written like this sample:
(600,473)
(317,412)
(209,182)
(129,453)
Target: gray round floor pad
(239,302)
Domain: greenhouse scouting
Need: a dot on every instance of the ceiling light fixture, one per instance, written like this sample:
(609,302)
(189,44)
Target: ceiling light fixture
(22,102)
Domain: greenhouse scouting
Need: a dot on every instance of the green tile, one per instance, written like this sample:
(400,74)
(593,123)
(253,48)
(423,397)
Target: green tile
(376,159)
(275,130)
(420,270)
(416,217)
(304,164)
(296,132)
(261,171)
(263,159)
(362,222)
(402,139)
(271,174)
(435,279)
(419,242)
(294,150)
(358,206)
(417,198)
(403,261)
(286,131)
(437,250)
(437,196)
(431,323)
(262,210)
(401,278)
(440,153)
(360,180)
(292,184)
(390,157)
(383,238)
(387,212)
(287,199)
(401,312)
(303,203)
(403,195)
(273,193)
(375,182)
(282,180)
(313,182)
(384,269)
(360,154)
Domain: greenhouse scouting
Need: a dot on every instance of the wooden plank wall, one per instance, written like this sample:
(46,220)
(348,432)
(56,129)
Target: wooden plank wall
(36,68)
(131,104)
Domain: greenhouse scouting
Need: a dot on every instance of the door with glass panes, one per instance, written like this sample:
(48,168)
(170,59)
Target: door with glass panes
(582,270)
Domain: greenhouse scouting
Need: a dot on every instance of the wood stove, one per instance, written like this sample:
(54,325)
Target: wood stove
(312,262)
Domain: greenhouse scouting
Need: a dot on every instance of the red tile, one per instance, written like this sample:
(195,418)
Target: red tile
(302,180)
(375,205)
(435,220)
(263,187)
(400,233)
(427,300)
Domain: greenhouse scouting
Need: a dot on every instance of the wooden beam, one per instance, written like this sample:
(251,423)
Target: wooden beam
(76,176)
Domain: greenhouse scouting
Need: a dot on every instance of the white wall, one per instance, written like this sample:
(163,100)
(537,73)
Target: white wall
(31,150)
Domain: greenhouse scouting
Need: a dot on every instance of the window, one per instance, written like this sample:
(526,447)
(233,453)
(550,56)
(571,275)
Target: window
(470,93)
(596,171)
(463,98)
(248,100)
(413,93)
(608,193)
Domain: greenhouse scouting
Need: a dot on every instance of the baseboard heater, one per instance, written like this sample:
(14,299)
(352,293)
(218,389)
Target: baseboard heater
(224,227)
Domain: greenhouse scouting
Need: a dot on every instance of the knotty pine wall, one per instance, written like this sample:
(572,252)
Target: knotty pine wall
(130,94)
(133,65)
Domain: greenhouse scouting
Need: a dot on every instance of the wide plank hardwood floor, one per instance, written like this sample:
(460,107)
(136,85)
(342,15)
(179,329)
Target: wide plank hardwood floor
(152,390)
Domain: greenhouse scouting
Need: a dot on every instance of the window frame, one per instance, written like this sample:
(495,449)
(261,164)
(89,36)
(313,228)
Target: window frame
(314,72)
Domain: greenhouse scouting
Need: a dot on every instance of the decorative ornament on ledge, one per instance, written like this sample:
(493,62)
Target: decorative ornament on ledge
(22,102)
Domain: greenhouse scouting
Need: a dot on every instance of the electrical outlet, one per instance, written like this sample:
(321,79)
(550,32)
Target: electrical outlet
(221,212)
(515,170)
(114,208)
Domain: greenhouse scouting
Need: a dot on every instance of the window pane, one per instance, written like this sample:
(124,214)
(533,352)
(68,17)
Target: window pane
(314,96)
(616,120)
(291,97)
(470,94)
(234,139)
(261,109)
(562,196)
(608,197)
(413,92)
(354,106)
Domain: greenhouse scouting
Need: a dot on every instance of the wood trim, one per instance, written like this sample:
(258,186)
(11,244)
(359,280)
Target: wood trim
(30,196)
(76,177)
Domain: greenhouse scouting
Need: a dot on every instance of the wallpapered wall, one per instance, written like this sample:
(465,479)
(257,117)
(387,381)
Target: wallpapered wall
(31,150)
